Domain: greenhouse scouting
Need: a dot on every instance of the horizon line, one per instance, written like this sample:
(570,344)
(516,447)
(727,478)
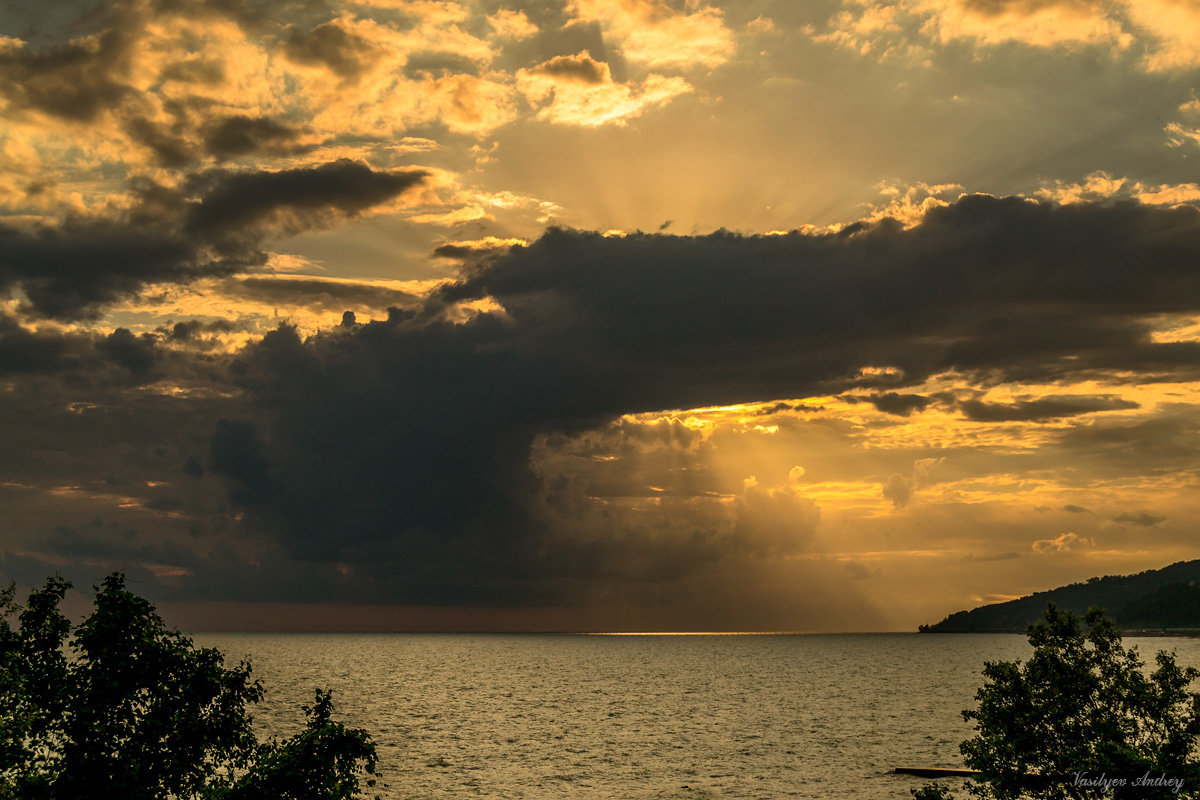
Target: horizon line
(570,632)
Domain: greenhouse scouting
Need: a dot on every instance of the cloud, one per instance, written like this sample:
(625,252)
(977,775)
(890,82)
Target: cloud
(861,572)
(337,46)
(466,103)
(198,332)
(290,201)
(578,90)
(898,489)
(509,24)
(902,405)
(1007,556)
(659,34)
(78,80)
(735,318)
(1100,186)
(1158,445)
(146,84)
(1172,27)
(1038,23)
(1141,519)
(87,361)
(155,91)
(472,249)
(774,521)
(26,352)
(137,354)
(242,135)
(1165,30)
(1011,308)
(66,271)
(413,437)
(489,441)
(1066,543)
(1049,407)
(761,24)
(579,68)
(330,294)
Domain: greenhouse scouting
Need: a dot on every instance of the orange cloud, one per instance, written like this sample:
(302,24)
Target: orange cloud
(578,90)
(509,24)
(1102,186)
(654,33)
(1174,28)
(1065,543)
(1039,23)
(1168,30)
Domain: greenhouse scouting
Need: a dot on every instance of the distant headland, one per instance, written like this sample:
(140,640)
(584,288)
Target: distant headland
(1163,600)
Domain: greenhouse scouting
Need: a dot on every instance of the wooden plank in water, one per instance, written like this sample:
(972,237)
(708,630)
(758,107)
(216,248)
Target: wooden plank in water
(936,772)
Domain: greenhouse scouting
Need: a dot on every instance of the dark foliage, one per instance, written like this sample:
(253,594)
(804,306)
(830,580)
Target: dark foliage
(1110,591)
(320,762)
(125,708)
(1176,605)
(1082,708)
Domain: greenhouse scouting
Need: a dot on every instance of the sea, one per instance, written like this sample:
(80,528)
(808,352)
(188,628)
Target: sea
(662,716)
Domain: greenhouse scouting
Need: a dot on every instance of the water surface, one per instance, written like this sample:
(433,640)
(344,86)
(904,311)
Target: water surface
(536,716)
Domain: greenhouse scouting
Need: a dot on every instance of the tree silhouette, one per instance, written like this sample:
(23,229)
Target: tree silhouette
(126,708)
(1082,719)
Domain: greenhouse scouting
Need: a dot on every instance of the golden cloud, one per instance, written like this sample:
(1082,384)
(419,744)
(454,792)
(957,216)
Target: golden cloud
(578,90)
(655,33)
(509,24)
(1039,23)
(1169,30)
(1065,543)
(1102,186)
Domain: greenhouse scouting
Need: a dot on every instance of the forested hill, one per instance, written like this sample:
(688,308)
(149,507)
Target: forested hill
(1158,598)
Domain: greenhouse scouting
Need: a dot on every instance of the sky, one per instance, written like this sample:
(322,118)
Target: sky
(597,315)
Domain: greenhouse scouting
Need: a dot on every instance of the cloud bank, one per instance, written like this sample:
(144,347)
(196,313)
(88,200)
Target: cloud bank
(403,446)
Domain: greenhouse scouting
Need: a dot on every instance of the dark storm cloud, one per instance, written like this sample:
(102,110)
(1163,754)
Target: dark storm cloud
(403,446)
(902,405)
(1000,288)
(73,354)
(243,135)
(24,352)
(89,361)
(103,444)
(783,405)
(137,354)
(335,47)
(1165,442)
(169,143)
(77,80)
(68,271)
(193,330)
(472,250)
(331,295)
(306,197)
(183,141)
(1053,407)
